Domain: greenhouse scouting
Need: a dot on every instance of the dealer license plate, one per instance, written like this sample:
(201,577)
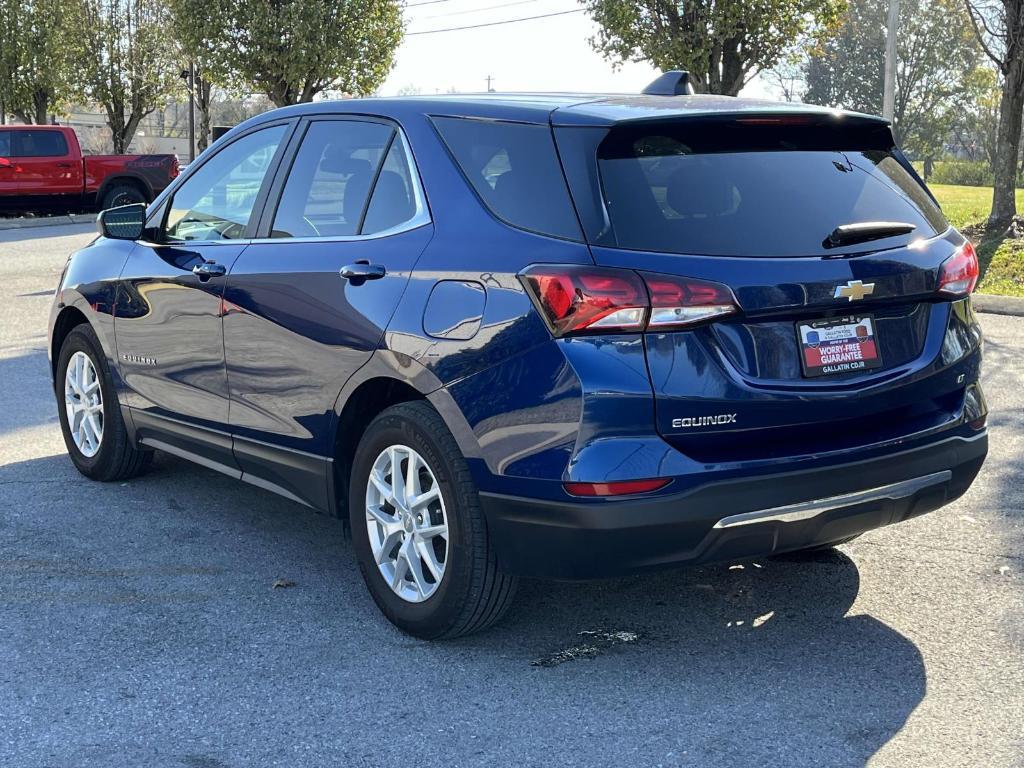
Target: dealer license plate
(838,345)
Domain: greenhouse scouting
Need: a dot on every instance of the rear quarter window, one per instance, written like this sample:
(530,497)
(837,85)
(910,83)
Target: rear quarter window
(514,169)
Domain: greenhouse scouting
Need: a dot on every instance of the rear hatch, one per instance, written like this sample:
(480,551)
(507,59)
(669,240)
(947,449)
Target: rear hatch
(834,254)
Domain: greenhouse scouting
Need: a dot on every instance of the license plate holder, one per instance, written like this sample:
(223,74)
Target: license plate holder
(838,345)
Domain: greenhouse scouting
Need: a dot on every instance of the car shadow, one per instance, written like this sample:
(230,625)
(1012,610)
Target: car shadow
(739,663)
(28,372)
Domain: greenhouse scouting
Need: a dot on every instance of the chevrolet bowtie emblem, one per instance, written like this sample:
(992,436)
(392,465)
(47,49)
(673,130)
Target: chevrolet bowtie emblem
(854,290)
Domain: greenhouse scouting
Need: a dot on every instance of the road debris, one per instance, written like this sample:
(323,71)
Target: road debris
(283,583)
(596,642)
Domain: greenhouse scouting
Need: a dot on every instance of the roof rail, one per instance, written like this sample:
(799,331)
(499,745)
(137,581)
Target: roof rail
(675,82)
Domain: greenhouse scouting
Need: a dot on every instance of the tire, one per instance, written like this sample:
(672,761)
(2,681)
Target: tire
(471,593)
(113,456)
(122,194)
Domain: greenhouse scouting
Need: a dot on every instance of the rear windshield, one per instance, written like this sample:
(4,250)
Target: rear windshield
(754,190)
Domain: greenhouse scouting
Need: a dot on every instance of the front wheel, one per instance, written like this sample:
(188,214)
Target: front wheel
(90,417)
(418,531)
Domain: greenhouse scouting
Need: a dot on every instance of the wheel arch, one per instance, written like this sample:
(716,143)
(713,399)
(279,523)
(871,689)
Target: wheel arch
(125,178)
(378,386)
(70,317)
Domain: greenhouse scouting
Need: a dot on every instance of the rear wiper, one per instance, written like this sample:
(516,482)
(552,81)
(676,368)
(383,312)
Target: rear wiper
(847,234)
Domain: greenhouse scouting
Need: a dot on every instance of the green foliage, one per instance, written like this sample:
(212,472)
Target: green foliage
(722,43)
(292,50)
(127,65)
(1001,256)
(977,122)
(960,172)
(937,60)
(36,65)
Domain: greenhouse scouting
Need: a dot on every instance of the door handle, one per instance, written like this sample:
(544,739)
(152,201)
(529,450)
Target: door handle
(209,269)
(63,165)
(361,271)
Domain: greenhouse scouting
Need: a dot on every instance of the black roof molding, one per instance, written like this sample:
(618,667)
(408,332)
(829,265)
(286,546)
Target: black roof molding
(675,82)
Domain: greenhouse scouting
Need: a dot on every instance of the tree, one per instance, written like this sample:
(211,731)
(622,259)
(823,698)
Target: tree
(192,22)
(847,69)
(999,28)
(291,50)
(974,130)
(127,65)
(723,44)
(35,60)
(936,55)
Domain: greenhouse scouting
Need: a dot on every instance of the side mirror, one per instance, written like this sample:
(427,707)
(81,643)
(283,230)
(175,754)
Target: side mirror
(5,162)
(126,222)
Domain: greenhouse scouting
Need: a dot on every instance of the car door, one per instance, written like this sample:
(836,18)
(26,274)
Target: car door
(168,327)
(307,303)
(46,165)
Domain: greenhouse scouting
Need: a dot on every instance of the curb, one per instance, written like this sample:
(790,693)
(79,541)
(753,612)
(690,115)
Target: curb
(48,221)
(998,305)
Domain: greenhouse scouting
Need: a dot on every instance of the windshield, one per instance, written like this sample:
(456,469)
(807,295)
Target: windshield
(666,191)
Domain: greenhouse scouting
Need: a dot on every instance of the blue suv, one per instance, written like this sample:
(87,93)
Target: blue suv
(559,336)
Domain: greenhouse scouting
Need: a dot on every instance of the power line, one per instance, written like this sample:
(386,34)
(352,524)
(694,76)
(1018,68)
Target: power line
(427,2)
(492,23)
(476,10)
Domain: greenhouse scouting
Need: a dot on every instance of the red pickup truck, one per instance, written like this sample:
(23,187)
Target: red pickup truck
(42,168)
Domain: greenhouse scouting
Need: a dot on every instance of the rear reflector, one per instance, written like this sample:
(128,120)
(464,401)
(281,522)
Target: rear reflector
(959,273)
(620,488)
(577,299)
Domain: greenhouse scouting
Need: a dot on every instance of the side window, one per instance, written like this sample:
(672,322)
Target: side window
(396,197)
(40,144)
(514,169)
(329,182)
(5,143)
(215,203)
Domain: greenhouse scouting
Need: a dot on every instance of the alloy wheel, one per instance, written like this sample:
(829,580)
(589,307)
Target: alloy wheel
(83,400)
(407,523)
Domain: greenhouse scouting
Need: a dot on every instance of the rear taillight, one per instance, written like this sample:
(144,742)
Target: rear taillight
(587,299)
(580,299)
(677,302)
(959,273)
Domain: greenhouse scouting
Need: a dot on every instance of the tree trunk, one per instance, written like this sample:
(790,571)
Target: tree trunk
(40,102)
(204,93)
(1011,106)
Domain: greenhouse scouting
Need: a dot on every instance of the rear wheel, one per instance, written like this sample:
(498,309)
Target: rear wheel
(418,531)
(122,194)
(90,417)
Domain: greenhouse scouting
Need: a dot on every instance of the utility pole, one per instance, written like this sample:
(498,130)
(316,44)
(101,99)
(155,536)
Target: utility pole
(489,80)
(889,92)
(191,112)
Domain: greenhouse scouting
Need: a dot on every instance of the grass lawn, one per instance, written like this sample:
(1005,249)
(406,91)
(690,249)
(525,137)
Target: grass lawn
(1002,259)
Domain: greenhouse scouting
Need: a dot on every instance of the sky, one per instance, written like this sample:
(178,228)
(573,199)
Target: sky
(545,54)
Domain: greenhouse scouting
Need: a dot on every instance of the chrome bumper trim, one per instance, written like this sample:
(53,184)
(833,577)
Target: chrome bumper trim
(807,509)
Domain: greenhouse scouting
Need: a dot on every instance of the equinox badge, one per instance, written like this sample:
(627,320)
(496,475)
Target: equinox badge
(704,421)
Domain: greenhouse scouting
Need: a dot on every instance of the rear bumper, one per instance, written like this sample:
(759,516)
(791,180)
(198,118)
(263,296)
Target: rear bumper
(729,519)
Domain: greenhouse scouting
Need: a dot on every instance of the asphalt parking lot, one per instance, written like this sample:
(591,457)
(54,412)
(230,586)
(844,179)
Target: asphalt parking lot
(139,624)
